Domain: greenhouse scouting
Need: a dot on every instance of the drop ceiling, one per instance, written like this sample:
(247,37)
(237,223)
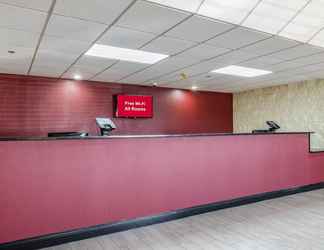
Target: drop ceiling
(50,38)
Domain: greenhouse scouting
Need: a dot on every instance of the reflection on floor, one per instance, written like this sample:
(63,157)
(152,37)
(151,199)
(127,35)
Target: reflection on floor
(292,222)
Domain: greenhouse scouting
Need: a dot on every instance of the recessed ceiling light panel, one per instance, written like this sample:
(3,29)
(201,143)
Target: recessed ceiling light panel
(123,54)
(241,71)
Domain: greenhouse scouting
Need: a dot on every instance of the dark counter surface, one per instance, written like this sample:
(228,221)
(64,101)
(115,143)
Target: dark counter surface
(22,138)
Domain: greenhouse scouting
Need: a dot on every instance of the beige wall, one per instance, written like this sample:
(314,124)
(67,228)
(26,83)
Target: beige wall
(296,107)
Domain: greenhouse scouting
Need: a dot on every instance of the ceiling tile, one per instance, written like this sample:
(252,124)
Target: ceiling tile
(168,45)
(237,38)
(309,21)
(200,68)
(210,85)
(48,71)
(181,84)
(316,58)
(311,67)
(20,69)
(190,71)
(95,64)
(167,66)
(84,72)
(63,45)
(175,62)
(12,17)
(234,57)
(175,76)
(191,6)
(223,80)
(149,17)
(125,38)
(118,71)
(233,11)
(22,55)
(194,80)
(204,28)
(42,5)
(203,51)
(209,65)
(318,40)
(57,60)
(204,78)
(74,29)
(270,46)
(298,51)
(272,15)
(17,63)
(103,11)
(12,38)
(317,74)
(283,66)
(263,62)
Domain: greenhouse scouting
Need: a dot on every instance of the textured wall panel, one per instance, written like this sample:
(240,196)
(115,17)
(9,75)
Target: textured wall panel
(296,107)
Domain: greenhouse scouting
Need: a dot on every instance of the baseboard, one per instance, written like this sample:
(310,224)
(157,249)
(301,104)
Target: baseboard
(84,233)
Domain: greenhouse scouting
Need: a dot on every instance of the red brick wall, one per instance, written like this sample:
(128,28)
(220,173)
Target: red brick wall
(34,106)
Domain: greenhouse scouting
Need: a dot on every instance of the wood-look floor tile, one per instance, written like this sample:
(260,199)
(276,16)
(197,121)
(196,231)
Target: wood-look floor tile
(287,223)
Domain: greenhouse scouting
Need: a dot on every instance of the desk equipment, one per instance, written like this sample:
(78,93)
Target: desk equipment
(67,134)
(106,125)
(272,128)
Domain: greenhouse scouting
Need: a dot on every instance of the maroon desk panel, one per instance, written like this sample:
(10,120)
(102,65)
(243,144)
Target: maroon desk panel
(54,186)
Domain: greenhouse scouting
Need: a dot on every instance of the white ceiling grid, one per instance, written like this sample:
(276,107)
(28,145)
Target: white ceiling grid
(50,38)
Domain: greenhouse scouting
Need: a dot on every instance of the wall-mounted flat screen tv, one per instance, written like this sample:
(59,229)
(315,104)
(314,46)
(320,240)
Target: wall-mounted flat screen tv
(133,106)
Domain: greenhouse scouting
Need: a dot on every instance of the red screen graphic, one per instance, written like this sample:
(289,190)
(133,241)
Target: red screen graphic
(134,106)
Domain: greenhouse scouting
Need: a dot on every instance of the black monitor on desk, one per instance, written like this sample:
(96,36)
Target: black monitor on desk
(272,128)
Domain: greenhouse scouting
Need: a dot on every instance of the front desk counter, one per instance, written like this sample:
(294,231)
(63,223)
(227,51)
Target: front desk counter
(35,138)
(53,185)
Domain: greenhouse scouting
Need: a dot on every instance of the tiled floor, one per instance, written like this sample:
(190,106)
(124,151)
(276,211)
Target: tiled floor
(293,222)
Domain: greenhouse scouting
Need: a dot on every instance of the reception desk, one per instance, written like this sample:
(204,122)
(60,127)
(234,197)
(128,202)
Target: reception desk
(52,185)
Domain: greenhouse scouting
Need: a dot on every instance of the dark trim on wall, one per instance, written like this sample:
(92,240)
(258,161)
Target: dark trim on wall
(84,233)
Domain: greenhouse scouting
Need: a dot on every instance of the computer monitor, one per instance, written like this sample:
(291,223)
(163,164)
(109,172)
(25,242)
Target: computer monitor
(272,125)
(272,128)
(106,125)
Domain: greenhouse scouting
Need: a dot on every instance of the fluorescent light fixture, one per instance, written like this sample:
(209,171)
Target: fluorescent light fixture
(233,11)
(77,77)
(186,5)
(241,71)
(123,54)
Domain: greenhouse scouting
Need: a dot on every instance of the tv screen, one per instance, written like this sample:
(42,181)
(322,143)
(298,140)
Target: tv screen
(134,106)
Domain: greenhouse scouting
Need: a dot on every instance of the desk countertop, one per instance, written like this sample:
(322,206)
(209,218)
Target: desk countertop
(22,138)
